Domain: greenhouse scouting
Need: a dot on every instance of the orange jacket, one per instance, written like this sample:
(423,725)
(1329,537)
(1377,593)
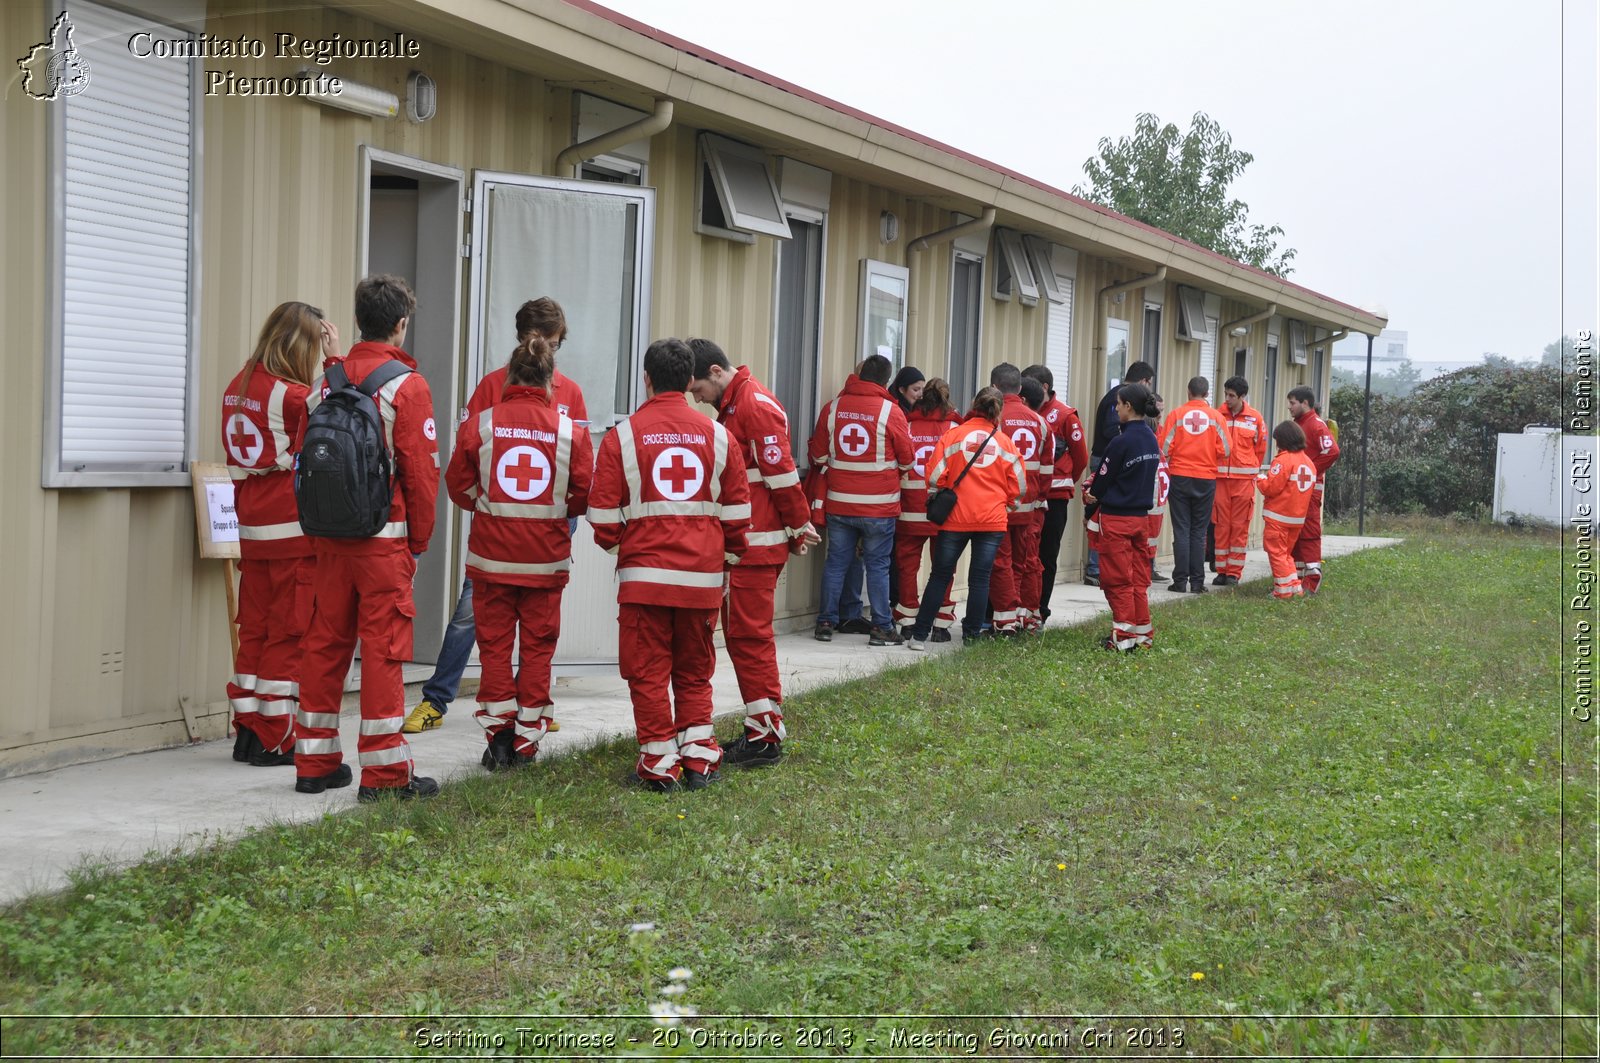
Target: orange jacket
(998,479)
(1194,442)
(1247,431)
(1286,487)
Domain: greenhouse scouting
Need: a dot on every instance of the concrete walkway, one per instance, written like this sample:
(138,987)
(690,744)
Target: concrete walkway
(117,812)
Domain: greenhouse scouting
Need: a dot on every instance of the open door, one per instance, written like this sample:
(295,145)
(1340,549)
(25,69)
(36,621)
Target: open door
(587,246)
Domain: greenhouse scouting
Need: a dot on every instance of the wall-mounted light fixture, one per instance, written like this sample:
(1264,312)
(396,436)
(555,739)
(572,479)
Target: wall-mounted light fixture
(888,226)
(358,98)
(422,97)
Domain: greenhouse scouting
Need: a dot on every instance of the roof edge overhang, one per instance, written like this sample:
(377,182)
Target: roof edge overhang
(585,38)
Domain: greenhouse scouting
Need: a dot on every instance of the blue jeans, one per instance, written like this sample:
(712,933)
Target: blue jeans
(876,535)
(441,687)
(947,550)
(850,593)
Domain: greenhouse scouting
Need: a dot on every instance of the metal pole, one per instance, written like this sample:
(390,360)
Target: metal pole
(1366,434)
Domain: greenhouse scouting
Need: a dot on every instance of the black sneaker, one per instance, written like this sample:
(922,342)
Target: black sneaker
(1091,581)
(743,753)
(655,786)
(268,759)
(246,745)
(1156,577)
(883,636)
(1219,580)
(823,631)
(500,752)
(1233,581)
(1179,588)
(940,634)
(419,786)
(1198,587)
(694,780)
(858,626)
(315,784)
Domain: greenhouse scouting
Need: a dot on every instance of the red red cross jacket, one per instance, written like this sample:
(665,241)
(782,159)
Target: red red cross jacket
(760,428)
(1247,432)
(670,499)
(407,408)
(1035,444)
(568,396)
(861,438)
(1072,452)
(925,429)
(259,430)
(1321,447)
(522,468)
(1286,487)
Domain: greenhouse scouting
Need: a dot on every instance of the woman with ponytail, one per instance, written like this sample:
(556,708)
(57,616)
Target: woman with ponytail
(992,483)
(263,412)
(523,467)
(1122,494)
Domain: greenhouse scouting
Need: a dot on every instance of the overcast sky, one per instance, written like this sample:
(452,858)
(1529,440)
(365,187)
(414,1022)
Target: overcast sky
(1411,149)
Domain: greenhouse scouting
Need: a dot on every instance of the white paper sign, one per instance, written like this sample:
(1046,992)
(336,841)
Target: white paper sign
(224,521)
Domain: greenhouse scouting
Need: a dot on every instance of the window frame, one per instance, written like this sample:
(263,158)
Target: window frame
(1041,258)
(1191,313)
(957,255)
(1015,275)
(800,430)
(742,226)
(871,267)
(53,474)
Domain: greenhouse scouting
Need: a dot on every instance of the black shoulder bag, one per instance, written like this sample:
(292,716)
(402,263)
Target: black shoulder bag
(942,502)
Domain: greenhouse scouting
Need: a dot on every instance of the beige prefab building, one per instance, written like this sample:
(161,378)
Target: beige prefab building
(193,170)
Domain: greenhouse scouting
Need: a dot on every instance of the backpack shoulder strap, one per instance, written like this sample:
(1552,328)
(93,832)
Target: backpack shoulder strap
(382,375)
(336,377)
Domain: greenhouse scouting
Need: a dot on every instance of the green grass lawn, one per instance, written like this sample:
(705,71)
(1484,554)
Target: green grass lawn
(1348,807)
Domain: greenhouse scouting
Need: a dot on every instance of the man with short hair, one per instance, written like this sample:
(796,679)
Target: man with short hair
(1236,479)
(862,440)
(780,522)
(363,586)
(1323,450)
(670,500)
(1106,427)
(1194,444)
(1072,458)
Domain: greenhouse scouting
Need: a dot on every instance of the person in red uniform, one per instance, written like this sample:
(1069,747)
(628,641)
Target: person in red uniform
(930,418)
(780,522)
(1287,490)
(544,316)
(670,499)
(1122,491)
(363,586)
(1072,458)
(1030,584)
(978,461)
(1017,559)
(1323,450)
(523,469)
(1194,443)
(861,440)
(263,412)
(1236,477)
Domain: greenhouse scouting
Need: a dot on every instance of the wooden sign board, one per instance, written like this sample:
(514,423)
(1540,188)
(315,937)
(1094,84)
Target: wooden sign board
(215,520)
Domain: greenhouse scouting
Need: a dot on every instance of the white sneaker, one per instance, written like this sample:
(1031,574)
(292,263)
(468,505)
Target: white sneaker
(914,643)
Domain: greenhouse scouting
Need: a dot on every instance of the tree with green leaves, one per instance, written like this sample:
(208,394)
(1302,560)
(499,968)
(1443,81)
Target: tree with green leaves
(1179,182)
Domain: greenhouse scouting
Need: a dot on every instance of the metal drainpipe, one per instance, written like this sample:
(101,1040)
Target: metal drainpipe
(944,236)
(1366,433)
(1112,290)
(1246,322)
(572,157)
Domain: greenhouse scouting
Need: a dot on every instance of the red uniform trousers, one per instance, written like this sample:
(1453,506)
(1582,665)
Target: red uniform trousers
(274,609)
(1235,502)
(1016,565)
(747,627)
(1031,578)
(662,644)
(1153,537)
(509,615)
(366,596)
(1125,578)
(908,566)
(1279,539)
(1308,548)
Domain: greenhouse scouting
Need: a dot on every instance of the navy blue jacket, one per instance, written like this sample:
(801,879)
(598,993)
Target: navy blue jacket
(1106,425)
(1125,482)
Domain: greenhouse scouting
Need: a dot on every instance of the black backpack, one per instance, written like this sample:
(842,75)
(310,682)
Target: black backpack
(342,473)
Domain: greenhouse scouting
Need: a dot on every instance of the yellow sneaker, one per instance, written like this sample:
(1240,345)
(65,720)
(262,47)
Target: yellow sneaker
(425,717)
(555,725)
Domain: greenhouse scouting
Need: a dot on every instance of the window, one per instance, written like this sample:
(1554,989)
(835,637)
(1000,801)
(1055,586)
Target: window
(1192,314)
(1318,353)
(1151,338)
(737,195)
(1015,274)
(1208,350)
(966,310)
(1297,342)
(797,328)
(593,117)
(1241,361)
(1397,350)
(121,407)
(1042,262)
(1117,333)
(885,288)
(1269,385)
